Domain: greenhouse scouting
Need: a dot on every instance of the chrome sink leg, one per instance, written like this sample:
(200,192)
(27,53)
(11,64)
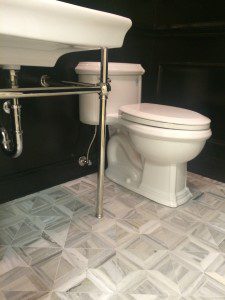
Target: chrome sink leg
(102,123)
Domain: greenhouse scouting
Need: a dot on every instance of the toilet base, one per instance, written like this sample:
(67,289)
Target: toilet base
(163,184)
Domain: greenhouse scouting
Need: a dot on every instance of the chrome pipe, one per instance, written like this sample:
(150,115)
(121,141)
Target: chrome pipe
(39,95)
(31,89)
(13,146)
(102,122)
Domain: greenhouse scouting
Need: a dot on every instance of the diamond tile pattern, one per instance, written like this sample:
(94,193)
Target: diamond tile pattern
(52,246)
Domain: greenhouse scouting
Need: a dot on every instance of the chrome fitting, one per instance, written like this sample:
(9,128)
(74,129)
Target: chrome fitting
(105,87)
(44,80)
(83,161)
(6,107)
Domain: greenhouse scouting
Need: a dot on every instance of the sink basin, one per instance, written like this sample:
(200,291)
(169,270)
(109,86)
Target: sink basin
(38,32)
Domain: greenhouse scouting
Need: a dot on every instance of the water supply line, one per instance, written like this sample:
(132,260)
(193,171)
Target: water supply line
(12,144)
(84,160)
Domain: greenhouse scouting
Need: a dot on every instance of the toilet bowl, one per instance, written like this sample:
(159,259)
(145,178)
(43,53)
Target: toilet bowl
(151,144)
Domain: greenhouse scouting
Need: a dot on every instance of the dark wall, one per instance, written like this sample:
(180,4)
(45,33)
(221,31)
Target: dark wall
(181,45)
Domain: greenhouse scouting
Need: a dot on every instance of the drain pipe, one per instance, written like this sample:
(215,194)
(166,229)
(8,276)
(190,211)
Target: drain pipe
(12,145)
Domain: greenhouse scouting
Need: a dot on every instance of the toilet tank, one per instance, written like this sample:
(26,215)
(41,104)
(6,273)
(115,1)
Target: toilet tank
(126,82)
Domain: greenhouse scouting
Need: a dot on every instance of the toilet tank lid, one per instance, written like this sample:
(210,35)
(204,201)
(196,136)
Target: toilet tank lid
(114,68)
(165,113)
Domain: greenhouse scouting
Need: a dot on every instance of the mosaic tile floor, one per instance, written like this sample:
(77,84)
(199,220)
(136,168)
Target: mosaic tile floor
(52,247)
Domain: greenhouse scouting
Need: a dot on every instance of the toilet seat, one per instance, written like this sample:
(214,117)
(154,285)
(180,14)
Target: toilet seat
(165,133)
(164,116)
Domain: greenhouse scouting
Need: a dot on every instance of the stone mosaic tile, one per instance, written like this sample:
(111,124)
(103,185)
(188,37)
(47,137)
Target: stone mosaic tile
(80,186)
(180,222)
(17,295)
(83,296)
(209,236)
(33,203)
(53,247)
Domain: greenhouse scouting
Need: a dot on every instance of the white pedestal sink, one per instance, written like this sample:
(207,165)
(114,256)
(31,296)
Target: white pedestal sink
(38,32)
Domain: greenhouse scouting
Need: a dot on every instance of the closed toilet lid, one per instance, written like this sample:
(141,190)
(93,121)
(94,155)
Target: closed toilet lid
(164,116)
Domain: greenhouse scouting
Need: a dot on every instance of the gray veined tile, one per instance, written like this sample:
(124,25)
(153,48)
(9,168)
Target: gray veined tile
(10,214)
(114,233)
(162,270)
(9,260)
(83,239)
(108,233)
(196,195)
(180,222)
(143,242)
(117,209)
(79,239)
(56,193)
(31,235)
(92,258)
(8,233)
(131,199)
(209,236)
(89,198)
(141,225)
(75,236)
(80,186)
(218,190)
(34,256)
(112,190)
(140,249)
(58,232)
(197,210)
(212,201)
(202,298)
(150,297)
(43,265)
(67,205)
(83,296)
(218,220)
(88,221)
(188,276)
(137,215)
(166,237)
(33,203)
(198,183)
(200,260)
(51,216)
(16,295)
(160,265)
(191,244)
(143,259)
(148,208)
(163,211)
(196,254)
(144,282)
(105,276)
(124,235)
(207,288)
(125,266)
(47,267)
(71,270)
(216,270)
(22,279)
(81,209)
(26,230)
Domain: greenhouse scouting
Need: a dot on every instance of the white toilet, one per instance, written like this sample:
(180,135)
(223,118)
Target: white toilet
(151,144)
